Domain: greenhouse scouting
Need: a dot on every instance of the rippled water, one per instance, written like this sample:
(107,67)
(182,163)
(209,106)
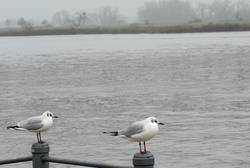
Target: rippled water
(198,84)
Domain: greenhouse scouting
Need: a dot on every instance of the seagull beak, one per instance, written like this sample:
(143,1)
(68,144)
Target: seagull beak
(55,117)
(161,124)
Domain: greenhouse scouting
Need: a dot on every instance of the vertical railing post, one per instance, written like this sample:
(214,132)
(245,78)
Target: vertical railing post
(38,151)
(145,160)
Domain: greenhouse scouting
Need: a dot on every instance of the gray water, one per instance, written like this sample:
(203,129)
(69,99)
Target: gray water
(197,84)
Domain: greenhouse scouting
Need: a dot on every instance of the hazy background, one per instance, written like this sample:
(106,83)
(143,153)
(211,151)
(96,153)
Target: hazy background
(41,9)
(79,13)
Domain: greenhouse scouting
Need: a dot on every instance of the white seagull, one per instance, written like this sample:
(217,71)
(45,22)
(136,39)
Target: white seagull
(139,131)
(36,124)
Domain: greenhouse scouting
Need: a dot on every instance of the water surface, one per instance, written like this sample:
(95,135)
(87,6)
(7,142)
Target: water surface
(198,84)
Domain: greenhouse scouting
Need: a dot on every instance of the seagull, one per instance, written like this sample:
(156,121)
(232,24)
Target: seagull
(36,124)
(139,131)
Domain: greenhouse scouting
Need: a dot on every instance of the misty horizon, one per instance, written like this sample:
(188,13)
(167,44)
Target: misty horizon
(40,10)
(81,13)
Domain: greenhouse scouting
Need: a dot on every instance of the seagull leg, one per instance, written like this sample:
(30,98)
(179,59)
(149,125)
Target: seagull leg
(40,137)
(145,150)
(140,147)
(37,135)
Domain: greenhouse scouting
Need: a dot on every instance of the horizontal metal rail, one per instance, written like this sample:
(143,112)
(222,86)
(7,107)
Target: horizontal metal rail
(17,160)
(78,163)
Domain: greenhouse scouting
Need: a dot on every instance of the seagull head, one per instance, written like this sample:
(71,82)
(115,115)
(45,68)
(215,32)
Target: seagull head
(49,114)
(154,121)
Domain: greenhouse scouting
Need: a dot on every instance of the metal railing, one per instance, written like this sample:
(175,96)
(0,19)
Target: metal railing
(40,159)
(17,160)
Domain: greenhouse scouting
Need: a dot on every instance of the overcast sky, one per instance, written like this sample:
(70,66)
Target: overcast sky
(44,9)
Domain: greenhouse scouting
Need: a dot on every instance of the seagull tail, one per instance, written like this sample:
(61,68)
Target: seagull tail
(15,127)
(112,133)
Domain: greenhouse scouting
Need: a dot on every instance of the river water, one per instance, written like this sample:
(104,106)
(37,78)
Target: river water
(197,84)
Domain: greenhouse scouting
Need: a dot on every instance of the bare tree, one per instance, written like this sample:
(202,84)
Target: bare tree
(166,11)
(222,11)
(62,18)
(45,24)
(242,10)
(80,19)
(8,23)
(180,11)
(92,19)
(24,24)
(202,11)
(109,15)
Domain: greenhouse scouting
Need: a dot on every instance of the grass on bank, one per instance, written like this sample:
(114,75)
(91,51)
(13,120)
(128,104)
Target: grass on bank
(127,29)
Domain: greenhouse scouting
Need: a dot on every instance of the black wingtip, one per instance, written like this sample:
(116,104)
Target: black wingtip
(12,127)
(112,133)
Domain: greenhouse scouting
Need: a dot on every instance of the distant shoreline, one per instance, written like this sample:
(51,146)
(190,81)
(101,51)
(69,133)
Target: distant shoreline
(129,29)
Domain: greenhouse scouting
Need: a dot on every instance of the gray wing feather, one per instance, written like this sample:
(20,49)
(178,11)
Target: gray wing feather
(33,123)
(135,128)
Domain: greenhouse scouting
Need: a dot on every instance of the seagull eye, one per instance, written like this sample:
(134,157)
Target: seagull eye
(50,115)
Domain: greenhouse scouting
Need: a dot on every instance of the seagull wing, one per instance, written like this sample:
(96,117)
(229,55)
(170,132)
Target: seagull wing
(135,128)
(31,124)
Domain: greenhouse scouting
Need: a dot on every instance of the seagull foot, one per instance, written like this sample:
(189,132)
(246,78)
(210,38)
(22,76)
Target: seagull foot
(143,152)
(40,142)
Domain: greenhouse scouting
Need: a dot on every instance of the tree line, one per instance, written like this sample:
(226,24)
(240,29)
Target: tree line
(152,12)
(105,16)
(179,11)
